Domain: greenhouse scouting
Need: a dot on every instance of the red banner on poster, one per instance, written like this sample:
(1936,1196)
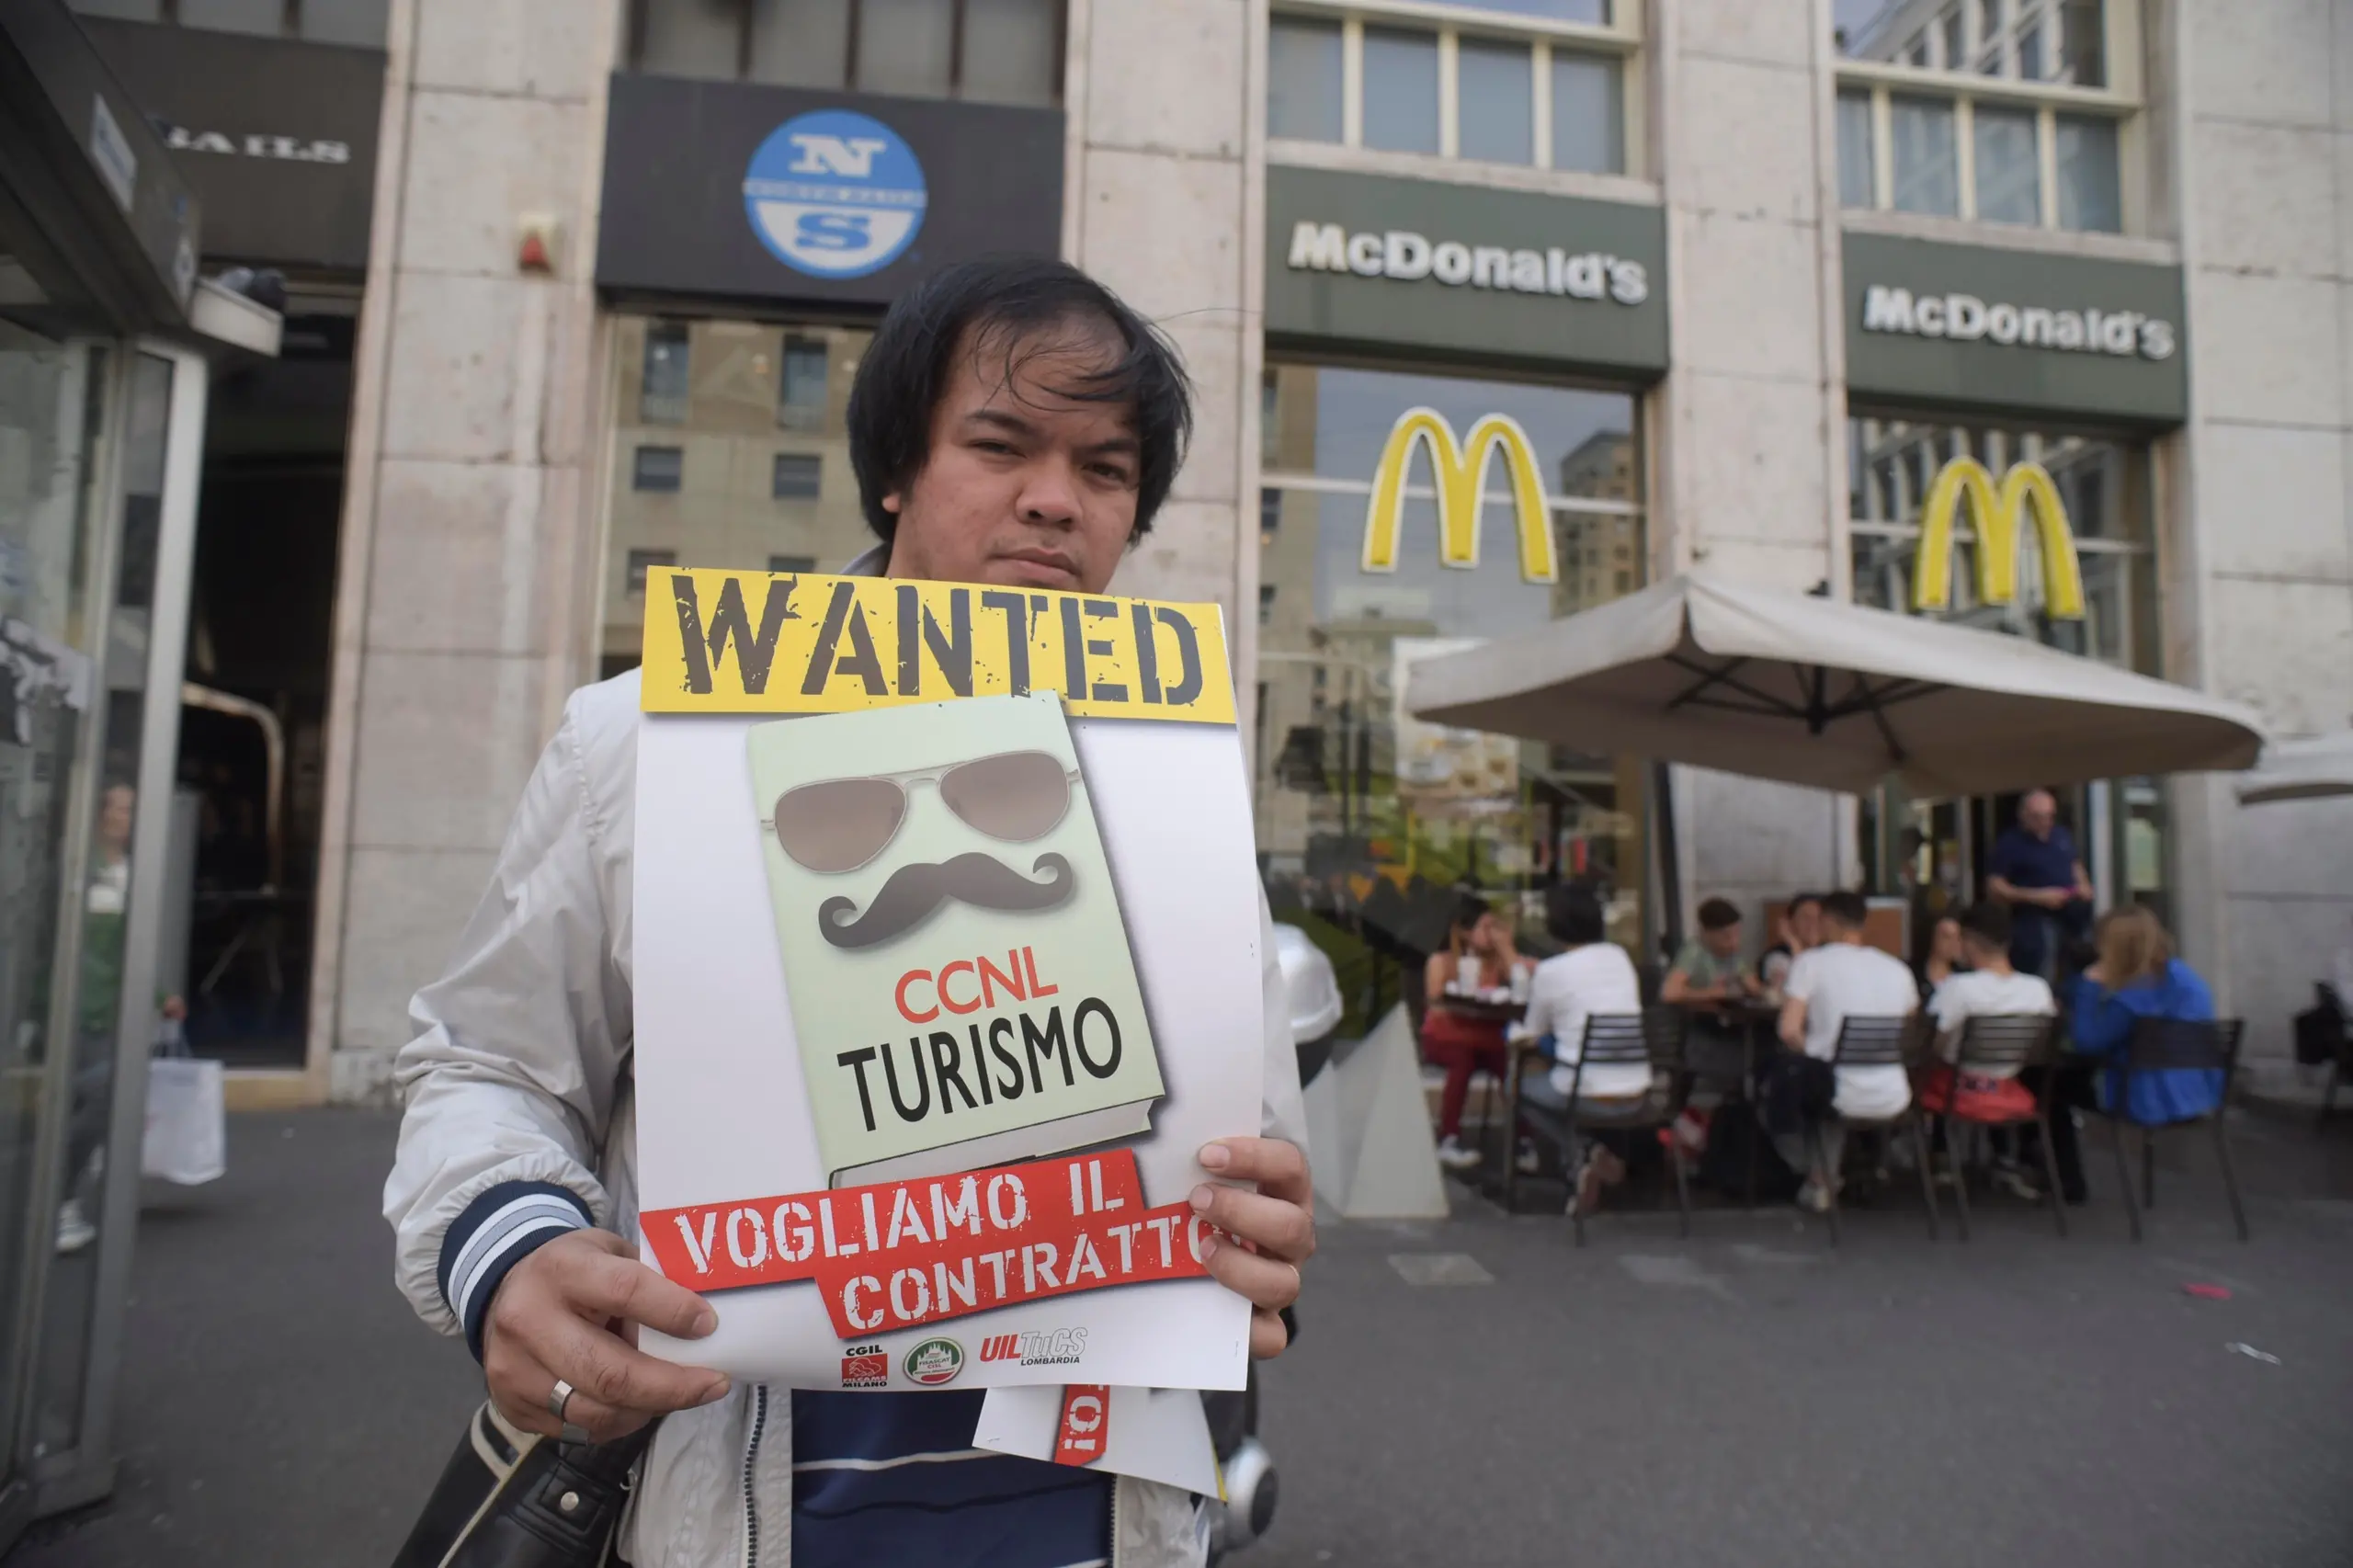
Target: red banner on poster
(1086,1424)
(898,1255)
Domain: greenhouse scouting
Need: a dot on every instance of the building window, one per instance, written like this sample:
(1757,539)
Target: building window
(642,562)
(658,471)
(797,476)
(1999,112)
(801,389)
(355,22)
(742,503)
(998,51)
(1352,794)
(1548,92)
(663,392)
(2103,488)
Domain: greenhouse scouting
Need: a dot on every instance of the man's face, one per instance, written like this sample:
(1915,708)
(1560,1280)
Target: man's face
(1722,942)
(1805,920)
(2039,813)
(1023,487)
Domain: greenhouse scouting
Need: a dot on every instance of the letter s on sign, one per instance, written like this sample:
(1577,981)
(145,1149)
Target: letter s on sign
(900,996)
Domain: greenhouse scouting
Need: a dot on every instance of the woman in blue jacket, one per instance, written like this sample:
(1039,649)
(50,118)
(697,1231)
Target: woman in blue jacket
(2138,977)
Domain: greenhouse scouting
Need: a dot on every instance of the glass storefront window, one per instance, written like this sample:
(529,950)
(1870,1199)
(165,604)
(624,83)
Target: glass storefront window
(1498,97)
(2056,41)
(1400,90)
(999,52)
(753,470)
(2089,178)
(1366,817)
(2009,171)
(1928,169)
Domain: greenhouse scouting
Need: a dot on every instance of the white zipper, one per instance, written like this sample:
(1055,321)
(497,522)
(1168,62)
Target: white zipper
(751,1466)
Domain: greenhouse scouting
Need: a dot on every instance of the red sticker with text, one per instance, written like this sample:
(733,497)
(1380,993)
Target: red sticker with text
(1086,1424)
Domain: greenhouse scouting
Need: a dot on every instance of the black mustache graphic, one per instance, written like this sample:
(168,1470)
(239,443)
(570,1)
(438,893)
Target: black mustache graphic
(908,899)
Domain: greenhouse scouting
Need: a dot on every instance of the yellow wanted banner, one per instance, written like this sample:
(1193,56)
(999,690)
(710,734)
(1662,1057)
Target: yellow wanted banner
(722,641)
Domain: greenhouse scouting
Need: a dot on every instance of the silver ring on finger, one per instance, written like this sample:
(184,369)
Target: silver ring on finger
(558,1397)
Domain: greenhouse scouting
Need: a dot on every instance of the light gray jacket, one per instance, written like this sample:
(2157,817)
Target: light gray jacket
(520,1074)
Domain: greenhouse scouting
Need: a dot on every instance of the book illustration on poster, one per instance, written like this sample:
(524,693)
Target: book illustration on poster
(955,959)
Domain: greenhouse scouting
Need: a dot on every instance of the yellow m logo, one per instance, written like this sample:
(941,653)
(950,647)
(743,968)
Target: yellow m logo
(1459,470)
(1999,516)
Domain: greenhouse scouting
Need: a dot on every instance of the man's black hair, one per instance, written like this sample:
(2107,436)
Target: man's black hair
(1469,910)
(1989,922)
(1006,308)
(1719,914)
(1847,909)
(1573,914)
(1797,898)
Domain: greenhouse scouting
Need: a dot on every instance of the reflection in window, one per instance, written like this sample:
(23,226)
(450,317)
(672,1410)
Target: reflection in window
(2033,40)
(1927,173)
(1592,13)
(797,476)
(663,393)
(1497,95)
(801,395)
(2089,183)
(659,469)
(2009,174)
(1400,90)
(1364,814)
(1589,114)
(1856,187)
(1304,72)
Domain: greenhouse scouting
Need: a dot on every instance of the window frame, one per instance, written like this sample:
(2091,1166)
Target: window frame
(2119,103)
(956,18)
(1621,42)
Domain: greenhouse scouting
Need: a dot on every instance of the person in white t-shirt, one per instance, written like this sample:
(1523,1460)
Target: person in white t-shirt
(1990,987)
(1592,977)
(1826,985)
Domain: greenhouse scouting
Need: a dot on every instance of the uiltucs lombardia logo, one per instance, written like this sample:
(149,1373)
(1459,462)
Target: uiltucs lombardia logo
(835,194)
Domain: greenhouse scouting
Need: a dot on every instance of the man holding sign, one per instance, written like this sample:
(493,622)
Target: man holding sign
(1014,427)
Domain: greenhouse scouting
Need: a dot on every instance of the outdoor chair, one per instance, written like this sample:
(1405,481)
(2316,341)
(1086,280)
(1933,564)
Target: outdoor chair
(2164,1045)
(1653,1037)
(2340,1053)
(1875,1042)
(1998,1047)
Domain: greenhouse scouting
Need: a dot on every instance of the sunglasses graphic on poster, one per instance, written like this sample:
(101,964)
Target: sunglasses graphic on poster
(959,972)
(949,956)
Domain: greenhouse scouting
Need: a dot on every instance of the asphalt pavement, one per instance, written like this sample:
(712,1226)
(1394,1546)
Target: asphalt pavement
(1747,1395)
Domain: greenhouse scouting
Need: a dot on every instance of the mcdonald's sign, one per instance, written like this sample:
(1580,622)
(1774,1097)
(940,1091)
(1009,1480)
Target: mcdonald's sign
(1459,470)
(2000,514)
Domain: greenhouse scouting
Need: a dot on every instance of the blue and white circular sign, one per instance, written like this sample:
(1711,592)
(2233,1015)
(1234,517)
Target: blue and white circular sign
(835,194)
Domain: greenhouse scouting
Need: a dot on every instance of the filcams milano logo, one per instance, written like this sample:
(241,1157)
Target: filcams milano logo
(835,194)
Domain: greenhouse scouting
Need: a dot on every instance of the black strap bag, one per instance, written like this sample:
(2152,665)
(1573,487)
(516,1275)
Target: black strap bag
(510,1499)
(1796,1091)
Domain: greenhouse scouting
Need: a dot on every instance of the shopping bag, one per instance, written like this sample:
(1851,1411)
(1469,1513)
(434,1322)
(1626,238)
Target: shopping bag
(187,1134)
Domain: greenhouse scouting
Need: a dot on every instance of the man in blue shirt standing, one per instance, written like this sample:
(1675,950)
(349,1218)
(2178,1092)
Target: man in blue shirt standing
(2036,871)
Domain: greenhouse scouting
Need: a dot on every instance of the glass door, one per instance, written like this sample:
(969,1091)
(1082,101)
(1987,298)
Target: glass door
(54,405)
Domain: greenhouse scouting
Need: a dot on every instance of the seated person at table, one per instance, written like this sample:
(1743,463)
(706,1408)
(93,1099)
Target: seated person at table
(2138,977)
(1708,968)
(1798,930)
(1947,956)
(1842,977)
(1453,1037)
(1591,976)
(1990,986)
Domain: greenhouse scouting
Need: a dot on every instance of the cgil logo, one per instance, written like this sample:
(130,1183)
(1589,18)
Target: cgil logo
(835,194)
(1968,319)
(1037,1347)
(1407,258)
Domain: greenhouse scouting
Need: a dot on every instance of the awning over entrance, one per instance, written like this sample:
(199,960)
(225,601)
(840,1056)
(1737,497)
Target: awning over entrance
(1806,690)
(2309,769)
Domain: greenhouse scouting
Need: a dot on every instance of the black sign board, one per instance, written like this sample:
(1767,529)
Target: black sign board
(728,190)
(277,137)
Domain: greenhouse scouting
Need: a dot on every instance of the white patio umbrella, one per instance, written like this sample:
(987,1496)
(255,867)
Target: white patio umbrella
(2300,770)
(1785,685)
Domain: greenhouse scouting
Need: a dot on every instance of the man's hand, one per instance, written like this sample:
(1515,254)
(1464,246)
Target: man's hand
(1276,1227)
(571,1310)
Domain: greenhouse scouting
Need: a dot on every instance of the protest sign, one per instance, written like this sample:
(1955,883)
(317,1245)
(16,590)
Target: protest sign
(946,964)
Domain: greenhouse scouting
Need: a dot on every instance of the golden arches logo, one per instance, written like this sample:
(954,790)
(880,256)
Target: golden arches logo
(1460,471)
(2000,516)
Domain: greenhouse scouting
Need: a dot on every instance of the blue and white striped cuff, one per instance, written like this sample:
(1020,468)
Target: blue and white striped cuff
(497,1231)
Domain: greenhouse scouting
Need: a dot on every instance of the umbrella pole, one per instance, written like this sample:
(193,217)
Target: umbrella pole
(1670,870)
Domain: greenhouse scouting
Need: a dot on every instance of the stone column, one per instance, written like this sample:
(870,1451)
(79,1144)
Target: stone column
(470,512)
(1749,433)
